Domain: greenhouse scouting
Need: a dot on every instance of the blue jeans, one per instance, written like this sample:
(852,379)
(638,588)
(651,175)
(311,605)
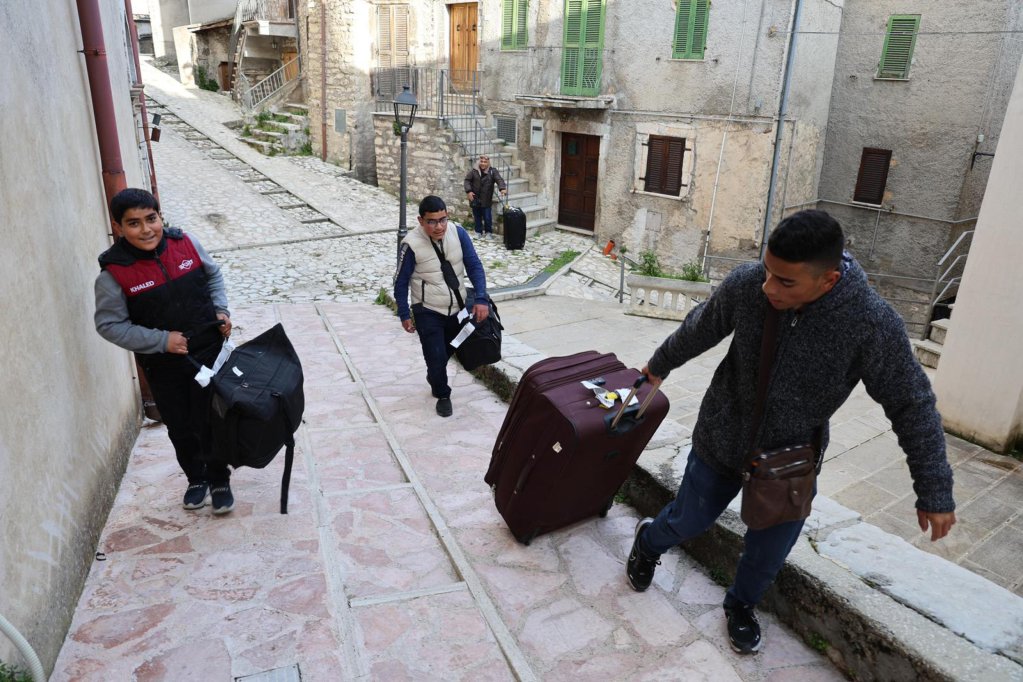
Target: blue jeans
(701,498)
(483,217)
(435,334)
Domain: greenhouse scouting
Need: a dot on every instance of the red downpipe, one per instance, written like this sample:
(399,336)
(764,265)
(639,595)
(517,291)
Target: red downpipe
(94,49)
(142,96)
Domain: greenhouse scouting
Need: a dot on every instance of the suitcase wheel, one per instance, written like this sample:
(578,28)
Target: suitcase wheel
(527,538)
(607,507)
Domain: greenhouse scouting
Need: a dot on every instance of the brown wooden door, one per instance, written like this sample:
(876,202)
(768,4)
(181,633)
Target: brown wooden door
(289,57)
(580,155)
(464,47)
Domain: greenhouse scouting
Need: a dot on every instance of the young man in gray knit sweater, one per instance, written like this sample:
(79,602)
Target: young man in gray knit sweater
(834,331)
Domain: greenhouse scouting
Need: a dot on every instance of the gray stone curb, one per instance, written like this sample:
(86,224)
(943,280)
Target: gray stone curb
(863,630)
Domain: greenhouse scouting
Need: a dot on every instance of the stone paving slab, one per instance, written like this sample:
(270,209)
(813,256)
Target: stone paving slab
(359,580)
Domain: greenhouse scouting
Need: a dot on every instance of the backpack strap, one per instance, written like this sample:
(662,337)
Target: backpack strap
(289,457)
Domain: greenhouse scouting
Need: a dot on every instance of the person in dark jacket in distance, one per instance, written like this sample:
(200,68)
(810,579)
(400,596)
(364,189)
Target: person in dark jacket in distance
(834,331)
(479,187)
(160,295)
(435,312)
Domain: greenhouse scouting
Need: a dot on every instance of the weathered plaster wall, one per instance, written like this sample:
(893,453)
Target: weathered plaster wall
(726,101)
(165,15)
(930,122)
(203,11)
(70,410)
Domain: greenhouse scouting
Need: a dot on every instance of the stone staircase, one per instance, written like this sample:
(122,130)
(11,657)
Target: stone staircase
(928,351)
(475,138)
(289,141)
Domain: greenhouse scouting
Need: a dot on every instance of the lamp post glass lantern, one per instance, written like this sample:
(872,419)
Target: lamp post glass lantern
(405,106)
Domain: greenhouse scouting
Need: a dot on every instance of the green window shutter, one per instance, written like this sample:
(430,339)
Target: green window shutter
(899,42)
(507,25)
(581,62)
(513,25)
(572,52)
(520,24)
(690,29)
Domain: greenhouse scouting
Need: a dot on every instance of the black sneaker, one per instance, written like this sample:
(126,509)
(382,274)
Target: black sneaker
(195,495)
(641,566)
(223,500)
(743,629)
(444,407)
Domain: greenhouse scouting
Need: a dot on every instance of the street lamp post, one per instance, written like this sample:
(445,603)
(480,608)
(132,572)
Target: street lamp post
(405,106)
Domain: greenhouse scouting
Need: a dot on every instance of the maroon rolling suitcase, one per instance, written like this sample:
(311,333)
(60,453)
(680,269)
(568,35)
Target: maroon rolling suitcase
(560,456)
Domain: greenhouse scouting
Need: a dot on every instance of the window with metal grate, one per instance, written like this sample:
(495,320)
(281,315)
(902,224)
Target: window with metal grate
(506,128)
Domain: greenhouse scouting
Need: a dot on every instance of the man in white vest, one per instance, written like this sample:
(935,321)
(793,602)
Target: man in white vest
(435,309)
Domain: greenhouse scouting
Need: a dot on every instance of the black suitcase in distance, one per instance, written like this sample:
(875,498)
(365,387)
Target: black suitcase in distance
(559,457)
(514,228)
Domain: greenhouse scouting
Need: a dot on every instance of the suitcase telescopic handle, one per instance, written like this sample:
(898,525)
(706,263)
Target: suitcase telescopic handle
(625,403)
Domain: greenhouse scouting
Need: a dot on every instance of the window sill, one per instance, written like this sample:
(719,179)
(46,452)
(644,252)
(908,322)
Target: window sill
(864,204)
(682,196)
(691,60)
(894,80)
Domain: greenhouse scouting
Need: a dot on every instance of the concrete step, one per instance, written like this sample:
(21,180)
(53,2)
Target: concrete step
(300,120)
(927,352)
(295,108)
(517,186)
(522,199)
(266,135)
(939,328)
(263,146)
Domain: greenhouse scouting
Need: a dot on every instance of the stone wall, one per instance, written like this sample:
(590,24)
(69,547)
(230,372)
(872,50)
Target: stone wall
(434,164)
(70,409)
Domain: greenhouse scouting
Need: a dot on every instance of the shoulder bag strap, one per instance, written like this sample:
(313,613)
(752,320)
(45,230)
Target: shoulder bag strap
(450,278)
(767,347)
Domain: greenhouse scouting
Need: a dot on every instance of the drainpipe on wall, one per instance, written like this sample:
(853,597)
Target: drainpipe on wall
(142,96)
(91,22)
(783,104)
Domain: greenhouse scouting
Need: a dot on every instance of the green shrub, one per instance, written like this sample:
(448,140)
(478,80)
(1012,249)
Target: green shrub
(650,266)
(563,259)
(9,673)
(203,80)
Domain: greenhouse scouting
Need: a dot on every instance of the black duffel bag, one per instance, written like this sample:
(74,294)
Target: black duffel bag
(483,347)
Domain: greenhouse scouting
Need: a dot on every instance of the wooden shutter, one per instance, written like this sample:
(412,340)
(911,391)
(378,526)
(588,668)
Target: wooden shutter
(583,46)
(690,29)
(392,50)
(873,175)
(899,42)
(664,165)
(513,25)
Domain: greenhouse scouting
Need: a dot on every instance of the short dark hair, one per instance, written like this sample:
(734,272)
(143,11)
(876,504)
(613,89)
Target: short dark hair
(133,197)
(810,236)
(431,204)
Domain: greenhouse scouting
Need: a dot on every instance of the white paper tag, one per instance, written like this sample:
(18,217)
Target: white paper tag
(237,371)
(622,392)
(463,314)
(466,332)
(206,374)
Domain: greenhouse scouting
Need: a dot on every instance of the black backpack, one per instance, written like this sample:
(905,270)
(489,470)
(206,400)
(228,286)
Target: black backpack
(258,403)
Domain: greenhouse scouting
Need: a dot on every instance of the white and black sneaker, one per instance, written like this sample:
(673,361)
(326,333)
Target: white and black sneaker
(641,566)
(743,629)
(223,500)
(196,495)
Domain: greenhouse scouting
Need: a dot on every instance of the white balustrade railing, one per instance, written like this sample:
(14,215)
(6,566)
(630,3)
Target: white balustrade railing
(661,297)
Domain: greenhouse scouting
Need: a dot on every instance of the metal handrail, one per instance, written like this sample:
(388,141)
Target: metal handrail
(954,245)
(256,94)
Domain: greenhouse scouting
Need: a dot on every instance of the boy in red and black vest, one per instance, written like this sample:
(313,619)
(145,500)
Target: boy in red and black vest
(160,295)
